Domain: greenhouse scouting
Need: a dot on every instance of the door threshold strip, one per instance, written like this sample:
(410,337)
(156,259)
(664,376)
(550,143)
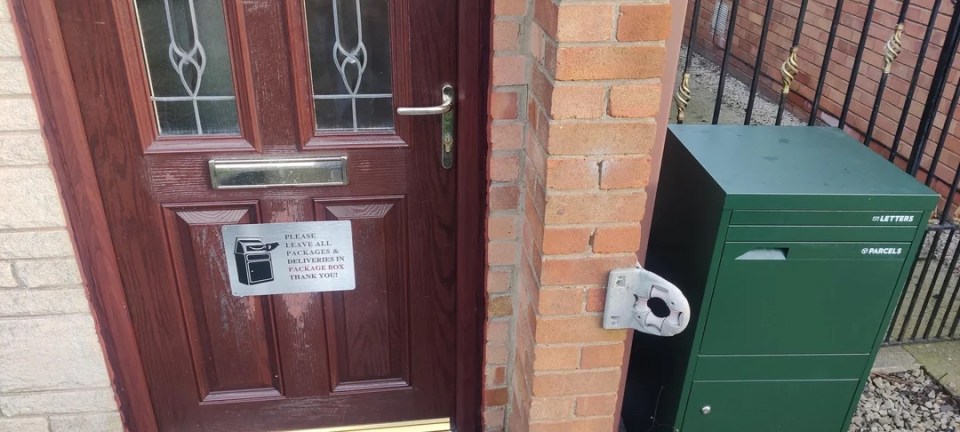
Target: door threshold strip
(434,425)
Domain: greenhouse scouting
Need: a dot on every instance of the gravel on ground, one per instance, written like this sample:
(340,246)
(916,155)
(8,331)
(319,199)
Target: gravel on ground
(704,82)
(909,401)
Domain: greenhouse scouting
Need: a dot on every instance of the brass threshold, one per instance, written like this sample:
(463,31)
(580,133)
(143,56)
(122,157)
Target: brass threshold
(434,425)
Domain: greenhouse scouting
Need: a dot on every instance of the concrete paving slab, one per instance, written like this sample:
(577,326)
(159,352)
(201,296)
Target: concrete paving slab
(894,359)
(942,362)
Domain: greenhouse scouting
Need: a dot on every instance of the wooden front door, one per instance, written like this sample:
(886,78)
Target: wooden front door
(165,86)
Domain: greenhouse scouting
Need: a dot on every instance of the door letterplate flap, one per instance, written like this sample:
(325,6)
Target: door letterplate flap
(265,173)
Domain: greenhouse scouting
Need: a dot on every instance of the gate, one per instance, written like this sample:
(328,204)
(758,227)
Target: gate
(882,70)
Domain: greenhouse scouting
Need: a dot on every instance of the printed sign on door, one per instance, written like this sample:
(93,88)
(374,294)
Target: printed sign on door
(286,258)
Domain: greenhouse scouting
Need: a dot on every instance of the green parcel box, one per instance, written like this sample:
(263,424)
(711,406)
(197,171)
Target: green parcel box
(792,245)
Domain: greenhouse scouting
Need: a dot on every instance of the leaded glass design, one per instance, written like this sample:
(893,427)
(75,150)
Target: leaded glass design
(350,64)
(188,62)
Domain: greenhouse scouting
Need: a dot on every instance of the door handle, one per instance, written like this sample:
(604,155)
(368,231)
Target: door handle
(446,106)
(447,111)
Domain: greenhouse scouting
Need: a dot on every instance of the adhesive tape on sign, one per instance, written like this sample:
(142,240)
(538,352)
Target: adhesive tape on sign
(660,308)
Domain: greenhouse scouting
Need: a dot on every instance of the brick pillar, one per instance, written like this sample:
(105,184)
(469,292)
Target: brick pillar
(593,95)
(508,125)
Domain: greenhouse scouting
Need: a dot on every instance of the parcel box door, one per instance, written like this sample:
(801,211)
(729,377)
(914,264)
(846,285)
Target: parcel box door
(801,298)
(782,406)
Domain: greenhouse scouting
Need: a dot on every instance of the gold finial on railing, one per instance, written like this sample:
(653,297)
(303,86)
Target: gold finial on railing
(683,97)
(789,69)
(894,46)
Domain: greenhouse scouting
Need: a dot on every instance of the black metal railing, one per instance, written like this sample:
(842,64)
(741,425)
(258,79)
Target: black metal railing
(850,88)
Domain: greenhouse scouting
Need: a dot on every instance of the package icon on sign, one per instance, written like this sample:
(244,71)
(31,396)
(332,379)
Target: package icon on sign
(254,263)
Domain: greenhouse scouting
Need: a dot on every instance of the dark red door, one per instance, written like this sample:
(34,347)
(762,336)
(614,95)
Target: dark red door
(167,85)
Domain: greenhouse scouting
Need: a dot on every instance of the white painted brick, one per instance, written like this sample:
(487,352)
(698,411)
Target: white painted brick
(30,198)
(13,77)
(99,422)
(25,424)
(48,273)
(50,353)
(9,47)
(65,402)
(35,244)
(43,302)
(6,275)
(4,10)
(25,148)
(19,114)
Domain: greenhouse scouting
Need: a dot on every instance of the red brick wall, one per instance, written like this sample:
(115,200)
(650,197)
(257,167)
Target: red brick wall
(508,126)
(594,92)
(572,121)
(817,22)
(575,92)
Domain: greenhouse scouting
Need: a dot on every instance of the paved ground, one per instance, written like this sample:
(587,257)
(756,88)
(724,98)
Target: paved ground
(893,360)
(942,362)
(940,359)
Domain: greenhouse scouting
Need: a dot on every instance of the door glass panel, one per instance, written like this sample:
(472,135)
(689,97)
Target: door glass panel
(350,63)
(188,62)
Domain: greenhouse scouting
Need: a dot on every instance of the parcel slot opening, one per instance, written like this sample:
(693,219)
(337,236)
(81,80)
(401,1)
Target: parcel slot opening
(764,254)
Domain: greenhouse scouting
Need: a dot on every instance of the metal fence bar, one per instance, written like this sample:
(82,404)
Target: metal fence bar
(855,70)
(936,307)
(943,290)
(915,79)
(944,132)
(903,297)
(891,51)
(933,282)
(826,63)
(789,68)
(916,292)
(953,299)
(944,215)
(767,14)
(933,288)
(932,105)
(682,97)
(956,320)
(734,8)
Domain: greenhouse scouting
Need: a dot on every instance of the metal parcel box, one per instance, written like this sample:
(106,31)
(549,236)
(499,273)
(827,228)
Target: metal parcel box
(793,245)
